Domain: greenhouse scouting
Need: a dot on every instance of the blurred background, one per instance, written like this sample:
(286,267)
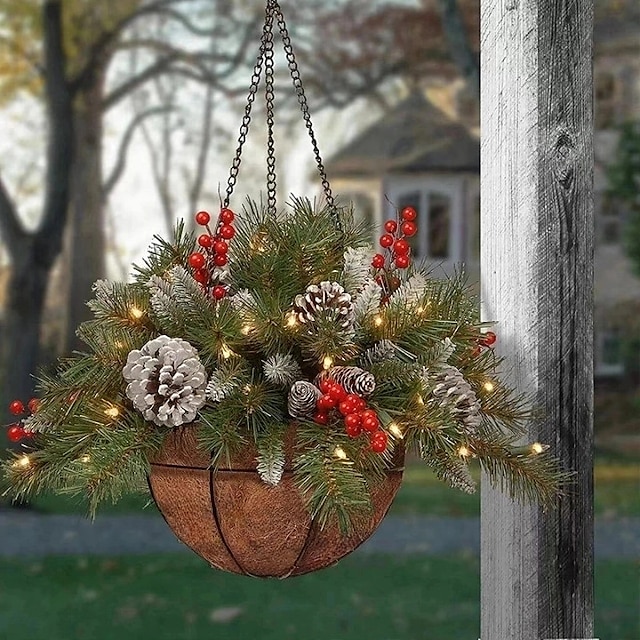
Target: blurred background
(155,93)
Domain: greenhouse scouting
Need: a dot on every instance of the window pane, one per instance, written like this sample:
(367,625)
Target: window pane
(439,225)
(474,249)
(412,199)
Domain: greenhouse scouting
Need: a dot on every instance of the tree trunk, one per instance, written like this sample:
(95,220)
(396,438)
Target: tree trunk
(86,248)
(33,255)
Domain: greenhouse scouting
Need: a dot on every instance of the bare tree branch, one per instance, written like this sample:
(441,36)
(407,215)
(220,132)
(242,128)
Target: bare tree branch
(121,161)
(205,146)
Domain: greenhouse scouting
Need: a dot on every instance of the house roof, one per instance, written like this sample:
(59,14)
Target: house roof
(413,137)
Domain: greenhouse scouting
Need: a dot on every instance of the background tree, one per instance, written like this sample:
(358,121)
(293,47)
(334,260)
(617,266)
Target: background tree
(65,54)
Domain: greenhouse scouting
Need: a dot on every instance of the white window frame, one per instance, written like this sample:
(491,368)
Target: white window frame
(451,186)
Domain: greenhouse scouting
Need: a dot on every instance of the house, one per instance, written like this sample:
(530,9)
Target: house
(425,152)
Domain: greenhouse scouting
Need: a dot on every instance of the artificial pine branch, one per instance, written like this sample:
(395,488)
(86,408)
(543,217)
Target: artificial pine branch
(271,458)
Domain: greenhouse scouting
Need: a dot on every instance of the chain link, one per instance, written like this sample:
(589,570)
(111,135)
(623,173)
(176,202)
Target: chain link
(274,13)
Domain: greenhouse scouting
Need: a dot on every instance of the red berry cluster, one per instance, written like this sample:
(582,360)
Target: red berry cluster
(488,340)
(215,249)
(396,245)
(357,417)
(16,432)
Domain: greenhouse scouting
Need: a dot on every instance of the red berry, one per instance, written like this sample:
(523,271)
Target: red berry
(205,241)
(379,441)
(370,423)
(369,413)
(34,405)
(361,404)
(15,433)
(197,260)
(220,246)
(353,420)
(16,407)
(201,276)
(409,214)
(338,393)
(326,402)
(378,261)
(402,247)
(321,418)
(346,406)
(409,228)
(227,231)
(220,260)
(353,430)
(325,385)
(386,241)
(390,226)
(203,218)
(227,216)
(402,262)
(489,339)
(219,292)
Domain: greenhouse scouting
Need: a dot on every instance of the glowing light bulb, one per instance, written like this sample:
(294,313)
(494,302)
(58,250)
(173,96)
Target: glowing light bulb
(327,363)
(85,459)
(396,430)
(292,320)
(225,352)
(464,452)
(135,313)
(340,454)
(247,329)
(489,387)
(420,400)
(23,461)
(537,448)
(378,321)
(112,412)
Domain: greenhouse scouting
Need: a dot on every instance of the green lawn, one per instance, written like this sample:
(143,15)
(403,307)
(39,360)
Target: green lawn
(617,494)
(179,598)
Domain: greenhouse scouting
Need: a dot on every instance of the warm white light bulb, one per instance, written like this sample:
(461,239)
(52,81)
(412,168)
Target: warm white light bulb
(378,321)
(538,448)
(464,452)
(136,313)
(247,329)
(112,412)
(489,387)
(327,363)
(420,400)
(23,461)
(85,459)
(292,320)
(340,454)
(396,430)
(225,352)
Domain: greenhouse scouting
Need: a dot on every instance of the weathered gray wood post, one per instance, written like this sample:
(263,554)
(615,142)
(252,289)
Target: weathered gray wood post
(537,281)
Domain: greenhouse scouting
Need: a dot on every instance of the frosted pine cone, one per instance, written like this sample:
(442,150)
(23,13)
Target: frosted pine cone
(352,379)
(303,399)
(327,301)
(167,381)
(453,392)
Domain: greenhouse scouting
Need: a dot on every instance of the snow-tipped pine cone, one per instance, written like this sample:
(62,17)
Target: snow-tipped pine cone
(452,391)
(167,381)
(353,380)
(325,302)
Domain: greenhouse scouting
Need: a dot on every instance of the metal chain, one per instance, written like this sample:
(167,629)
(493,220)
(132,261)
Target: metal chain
(304,107)
(266,57)
(270,98)
(246,120)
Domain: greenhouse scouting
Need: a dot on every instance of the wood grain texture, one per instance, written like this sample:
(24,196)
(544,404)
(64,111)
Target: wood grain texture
(239,524)
(537,282)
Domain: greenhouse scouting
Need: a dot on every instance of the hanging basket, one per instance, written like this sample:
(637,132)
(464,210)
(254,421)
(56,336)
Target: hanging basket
(237,523)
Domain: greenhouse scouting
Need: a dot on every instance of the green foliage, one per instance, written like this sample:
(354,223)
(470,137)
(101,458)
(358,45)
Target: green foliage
(624,186)
(93,441)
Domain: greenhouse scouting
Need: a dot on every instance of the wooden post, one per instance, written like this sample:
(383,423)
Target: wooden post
(537,282)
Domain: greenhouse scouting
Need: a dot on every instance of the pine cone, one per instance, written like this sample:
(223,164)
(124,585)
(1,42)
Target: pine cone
(166,381)
(327,301)
(453,392)
(352,379)
(303,399)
